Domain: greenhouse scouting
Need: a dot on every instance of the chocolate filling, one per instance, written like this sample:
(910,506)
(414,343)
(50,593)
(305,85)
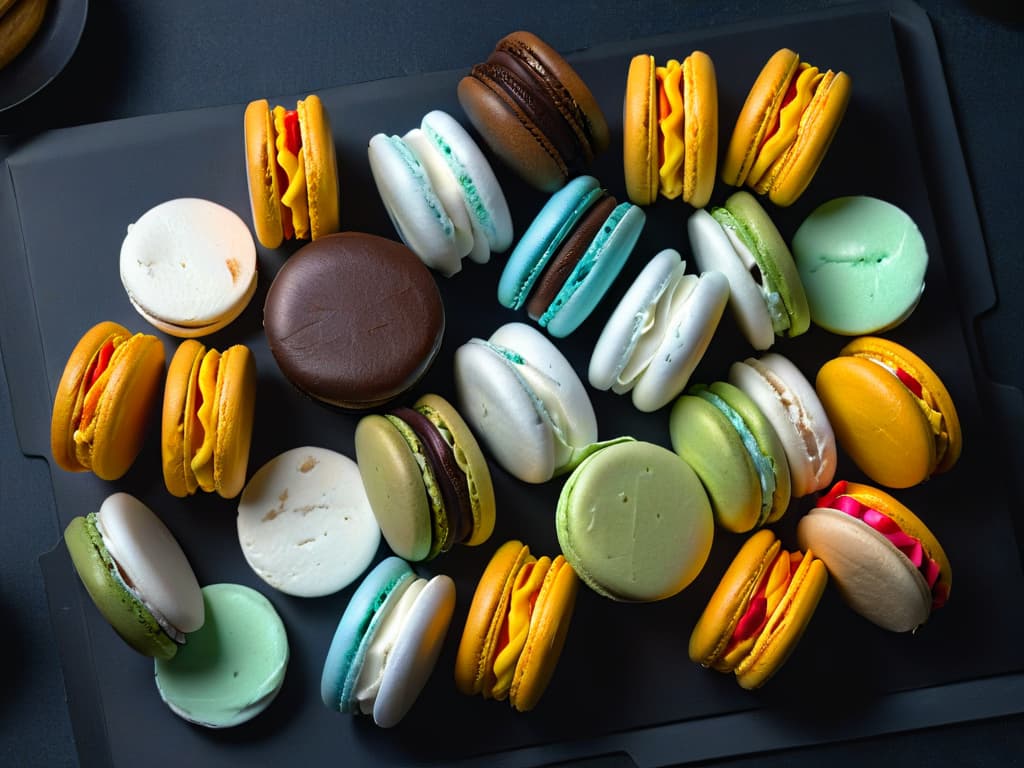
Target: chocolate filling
(569,254)
(451,479)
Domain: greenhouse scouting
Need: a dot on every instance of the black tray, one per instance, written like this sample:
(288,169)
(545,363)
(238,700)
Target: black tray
(624,684)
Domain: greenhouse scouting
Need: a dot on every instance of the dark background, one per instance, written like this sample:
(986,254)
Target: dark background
(147,57)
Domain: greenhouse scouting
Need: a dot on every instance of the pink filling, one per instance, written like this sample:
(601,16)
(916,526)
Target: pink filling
(904,542)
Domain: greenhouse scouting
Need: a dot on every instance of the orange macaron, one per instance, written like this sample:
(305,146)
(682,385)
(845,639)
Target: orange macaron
(670,129)
(104,399)
(890,412)
(787,123)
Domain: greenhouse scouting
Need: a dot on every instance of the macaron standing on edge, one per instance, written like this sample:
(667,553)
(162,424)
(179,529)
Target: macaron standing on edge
(534,111)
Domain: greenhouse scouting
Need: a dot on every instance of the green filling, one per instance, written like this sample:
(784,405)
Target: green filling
(439,518)
(417,170)
(474,203)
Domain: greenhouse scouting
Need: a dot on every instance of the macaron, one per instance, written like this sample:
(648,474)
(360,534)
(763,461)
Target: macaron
(20,20)
(759,610)
(292,171)
(387,642)
(634,522)
(890,411)
(136,574)
(426,478)
(670,129)
(862,262)
(534,111)
(305,524)
(659,331)
(886,564)
(188,266)
(726,439)
(233,667)
(516,626)
(524,401)
(788,400)
(206,426)
(570,255)
(785,127)
(354,320)
(441,194)
(766,294)
(104,399)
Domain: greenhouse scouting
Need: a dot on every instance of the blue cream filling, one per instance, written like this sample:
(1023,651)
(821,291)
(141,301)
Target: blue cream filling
(474,203)
(763,463)
(419,174)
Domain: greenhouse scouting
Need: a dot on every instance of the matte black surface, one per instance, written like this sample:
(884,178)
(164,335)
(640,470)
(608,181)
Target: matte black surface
(879,661)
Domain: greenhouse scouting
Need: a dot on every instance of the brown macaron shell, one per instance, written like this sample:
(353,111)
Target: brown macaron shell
(354,319)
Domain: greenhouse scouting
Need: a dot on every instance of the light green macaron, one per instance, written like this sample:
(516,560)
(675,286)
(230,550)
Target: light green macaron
(634,522)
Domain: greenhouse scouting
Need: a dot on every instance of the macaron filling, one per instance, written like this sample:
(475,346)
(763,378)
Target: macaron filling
(463,462)
(763,463)
(671,126)
(909,545)
(782,134)
(767,597)
(471,193)
(94,383)
(515,626)
(290,168)
(424,185)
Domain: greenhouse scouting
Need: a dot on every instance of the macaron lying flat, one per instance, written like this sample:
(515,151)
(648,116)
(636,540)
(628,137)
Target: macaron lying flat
(387,642)
(890,411)
(354,319)
(789,402)
(441,193)
(887,565)
(104,399)
(188,266)
(209,399)
(863,262)
(759,610)
(670,129)
(766,294)
(722,434)
(233,667)
(658,332)
(570,255)
(524,401)
(137,575)
(634,522)
(516,626)
(305,524)
(534,111)
(785,127)
(292,171)
(426,478)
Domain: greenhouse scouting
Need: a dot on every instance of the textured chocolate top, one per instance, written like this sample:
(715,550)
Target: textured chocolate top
(354,319)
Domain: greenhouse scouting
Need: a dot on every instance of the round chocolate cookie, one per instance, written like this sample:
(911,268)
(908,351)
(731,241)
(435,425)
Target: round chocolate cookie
(354,319)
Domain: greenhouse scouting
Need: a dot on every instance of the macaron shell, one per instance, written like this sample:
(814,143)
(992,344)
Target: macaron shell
(321,167)
(236,377)
(700,99)
(549,627)
(394,485)
(233,668)
(198,331)
(173,434)
(640,131)
(413,657)
(634,522)
(264,195)
(874,578)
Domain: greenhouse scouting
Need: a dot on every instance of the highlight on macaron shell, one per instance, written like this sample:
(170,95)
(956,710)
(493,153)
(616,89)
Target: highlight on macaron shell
(766,294)
(206,426)
(516,626)
(659,331)
(785,127)
(441,194)
(890,411)
(887,565)
(863,263)
(759,610)
(136,575)
(188,266)
(104,400)
(233,667)
(387,642)
(292,171)
(305,524)
(570,255)
(534,111)
(670,129)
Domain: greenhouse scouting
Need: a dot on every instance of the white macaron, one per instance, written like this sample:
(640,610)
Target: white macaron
(659,332)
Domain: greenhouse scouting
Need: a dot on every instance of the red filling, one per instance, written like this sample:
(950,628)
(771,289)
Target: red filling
(756,616)
(910,383)
(293,143)
(101,363)
(790,95)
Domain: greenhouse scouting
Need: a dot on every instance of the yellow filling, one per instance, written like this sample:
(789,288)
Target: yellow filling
(294,197)
(671,126)
(89,398)
(527,585)
(789,121)
(202,459)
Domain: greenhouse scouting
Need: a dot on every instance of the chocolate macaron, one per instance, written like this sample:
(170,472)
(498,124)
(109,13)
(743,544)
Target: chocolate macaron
(534,111)
(354,319)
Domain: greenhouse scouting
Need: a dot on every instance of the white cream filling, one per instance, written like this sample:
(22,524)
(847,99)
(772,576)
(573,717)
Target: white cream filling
(772,299)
